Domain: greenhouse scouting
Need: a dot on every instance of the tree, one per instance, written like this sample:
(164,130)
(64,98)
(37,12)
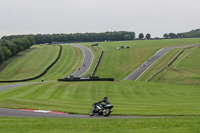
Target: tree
(172,35)
(127,37)
(141,36)
(1,55)
(166,35)
(18,43)
(148,36)
(26,44)
(30,39)
(9,45)
(6,52)
(77,37)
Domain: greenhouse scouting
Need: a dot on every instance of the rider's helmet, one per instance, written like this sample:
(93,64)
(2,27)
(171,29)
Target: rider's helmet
(105,98)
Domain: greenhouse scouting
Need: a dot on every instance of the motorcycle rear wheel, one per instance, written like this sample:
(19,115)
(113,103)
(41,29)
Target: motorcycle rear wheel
(91,113)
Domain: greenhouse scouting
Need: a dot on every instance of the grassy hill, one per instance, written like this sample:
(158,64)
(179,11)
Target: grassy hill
(115,63)
(36,61)
(69,62)
(162,62)
(172,97)
(183,70)
(31,64)
(120,63)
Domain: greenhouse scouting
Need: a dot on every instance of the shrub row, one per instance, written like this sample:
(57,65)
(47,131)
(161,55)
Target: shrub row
(79,37)
(9,48)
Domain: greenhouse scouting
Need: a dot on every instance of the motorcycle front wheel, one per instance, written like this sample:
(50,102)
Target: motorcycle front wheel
(106,112)
(91,113)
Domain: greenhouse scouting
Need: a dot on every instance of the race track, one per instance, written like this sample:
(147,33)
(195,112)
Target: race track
(143,67)
(21,113)
(87,61)
(88,57)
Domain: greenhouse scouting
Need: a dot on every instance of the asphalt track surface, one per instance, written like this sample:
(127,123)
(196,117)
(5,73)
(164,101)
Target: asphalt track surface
(87,61)
(20,113)
(143,67)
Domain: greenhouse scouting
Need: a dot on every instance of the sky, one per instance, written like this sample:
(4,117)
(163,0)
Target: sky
(156,17)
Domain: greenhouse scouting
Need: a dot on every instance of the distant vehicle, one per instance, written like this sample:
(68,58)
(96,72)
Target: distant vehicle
(96,44)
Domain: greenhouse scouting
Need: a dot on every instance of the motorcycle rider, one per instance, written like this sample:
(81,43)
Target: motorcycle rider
(100,105)
(105,100)
(101,108)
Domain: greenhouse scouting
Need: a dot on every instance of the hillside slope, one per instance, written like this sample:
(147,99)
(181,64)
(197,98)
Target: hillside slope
(35,62)
(120,63)
(185,70)
(30,65)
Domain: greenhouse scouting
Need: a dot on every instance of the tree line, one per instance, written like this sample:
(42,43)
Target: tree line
(190,34)
(141,36)
(9,48)
(78,37)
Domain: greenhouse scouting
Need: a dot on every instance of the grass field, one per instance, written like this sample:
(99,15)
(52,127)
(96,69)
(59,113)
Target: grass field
(162,62)
(69,62)
(115,63)
(39,59)
(120,63)
(142,125)
(128,98)
(183,70)
(172,97)
(30,65)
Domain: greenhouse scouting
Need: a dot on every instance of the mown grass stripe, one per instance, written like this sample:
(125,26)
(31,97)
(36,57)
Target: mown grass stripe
(28,65)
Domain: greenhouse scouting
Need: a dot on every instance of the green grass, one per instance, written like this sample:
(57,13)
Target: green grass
(59,125)
(192,63)
(183,70)
(69,62)
(115,63)
(30,65)
(35,62)
(119,64)
(128,98)
(162,62)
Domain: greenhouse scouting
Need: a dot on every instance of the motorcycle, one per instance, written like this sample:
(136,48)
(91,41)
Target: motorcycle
(100,109)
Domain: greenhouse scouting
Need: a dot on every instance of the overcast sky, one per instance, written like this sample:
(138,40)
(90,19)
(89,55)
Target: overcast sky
(71,16)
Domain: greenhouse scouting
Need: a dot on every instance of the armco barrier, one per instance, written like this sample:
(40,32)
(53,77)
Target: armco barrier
(95,68)
(91,79)
(42,74)
(170,63)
